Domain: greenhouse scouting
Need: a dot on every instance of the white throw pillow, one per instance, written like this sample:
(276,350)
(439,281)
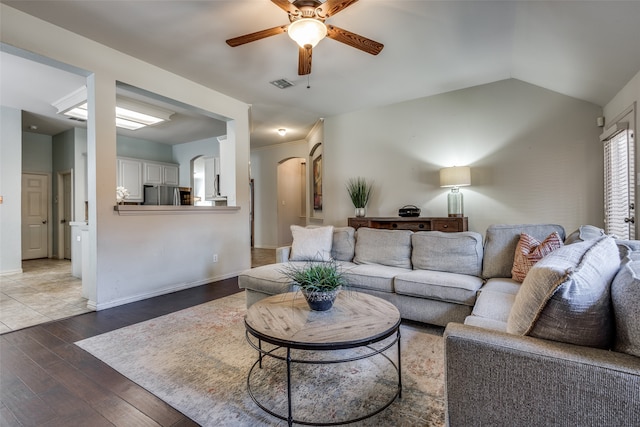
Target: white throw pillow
(311,244)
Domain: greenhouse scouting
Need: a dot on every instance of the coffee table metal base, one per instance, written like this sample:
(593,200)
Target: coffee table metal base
(289,361)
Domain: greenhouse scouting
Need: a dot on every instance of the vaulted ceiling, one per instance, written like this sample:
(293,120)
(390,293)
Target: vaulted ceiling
(584,49)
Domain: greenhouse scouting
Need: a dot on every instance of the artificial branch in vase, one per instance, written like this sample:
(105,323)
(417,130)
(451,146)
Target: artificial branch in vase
(359,190)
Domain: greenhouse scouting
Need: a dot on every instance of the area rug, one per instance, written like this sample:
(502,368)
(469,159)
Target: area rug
(197,360)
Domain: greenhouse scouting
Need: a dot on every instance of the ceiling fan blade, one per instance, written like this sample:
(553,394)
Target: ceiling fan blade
(304,60)
(354,40)
(331,7)
(286,6)
(248,38)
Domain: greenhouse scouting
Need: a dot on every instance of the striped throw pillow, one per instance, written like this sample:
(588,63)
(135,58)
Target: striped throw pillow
(529,251)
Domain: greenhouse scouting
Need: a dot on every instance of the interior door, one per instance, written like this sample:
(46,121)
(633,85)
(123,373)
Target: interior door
(35,215)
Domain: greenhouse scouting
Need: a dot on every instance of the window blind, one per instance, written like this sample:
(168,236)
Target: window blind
(619,186)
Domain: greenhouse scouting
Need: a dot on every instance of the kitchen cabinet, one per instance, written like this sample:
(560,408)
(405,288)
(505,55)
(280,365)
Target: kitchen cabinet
(160,173)
(129,172)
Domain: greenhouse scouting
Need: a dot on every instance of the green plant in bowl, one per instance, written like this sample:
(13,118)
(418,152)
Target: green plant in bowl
(319,282)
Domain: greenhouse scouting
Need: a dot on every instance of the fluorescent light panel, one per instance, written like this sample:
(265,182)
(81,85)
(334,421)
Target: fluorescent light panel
(130,114)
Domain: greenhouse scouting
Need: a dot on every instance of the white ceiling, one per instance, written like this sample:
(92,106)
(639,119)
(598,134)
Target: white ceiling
(584,49)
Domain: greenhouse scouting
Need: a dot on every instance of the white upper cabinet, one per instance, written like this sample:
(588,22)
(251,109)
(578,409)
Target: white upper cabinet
(130,177)
(160,173)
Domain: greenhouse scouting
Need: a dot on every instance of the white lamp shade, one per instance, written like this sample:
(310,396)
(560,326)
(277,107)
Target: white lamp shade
(457,176)
(307,31)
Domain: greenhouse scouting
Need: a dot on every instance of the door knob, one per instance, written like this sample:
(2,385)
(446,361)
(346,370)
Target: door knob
(44,221)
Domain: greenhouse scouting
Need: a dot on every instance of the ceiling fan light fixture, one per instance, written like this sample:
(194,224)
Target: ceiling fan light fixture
(307,31)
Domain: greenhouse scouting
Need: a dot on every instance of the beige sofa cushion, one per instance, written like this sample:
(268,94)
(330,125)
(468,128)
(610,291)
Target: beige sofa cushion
(451,252)
(384,247)
(439,285)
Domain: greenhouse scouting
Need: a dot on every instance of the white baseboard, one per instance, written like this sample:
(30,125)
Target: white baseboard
(8,272)
(174,288)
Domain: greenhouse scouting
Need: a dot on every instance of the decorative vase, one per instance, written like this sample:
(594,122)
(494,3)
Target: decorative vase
(320,300)
(360,212)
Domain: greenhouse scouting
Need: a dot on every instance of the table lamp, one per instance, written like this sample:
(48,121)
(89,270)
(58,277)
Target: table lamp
(455,177)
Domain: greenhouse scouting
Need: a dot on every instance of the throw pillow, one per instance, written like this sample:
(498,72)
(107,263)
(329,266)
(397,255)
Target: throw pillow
(311,244)
(529,251)
(584,232)
(625,296)
(566,295)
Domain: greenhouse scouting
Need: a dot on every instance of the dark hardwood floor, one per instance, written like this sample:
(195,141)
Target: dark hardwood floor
(45,380)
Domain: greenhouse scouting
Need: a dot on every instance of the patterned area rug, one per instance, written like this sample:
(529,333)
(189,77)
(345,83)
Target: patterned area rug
(197,360)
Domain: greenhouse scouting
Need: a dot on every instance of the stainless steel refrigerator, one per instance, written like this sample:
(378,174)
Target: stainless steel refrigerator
(161,195)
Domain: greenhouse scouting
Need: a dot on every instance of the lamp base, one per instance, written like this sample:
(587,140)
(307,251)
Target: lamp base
(455,203)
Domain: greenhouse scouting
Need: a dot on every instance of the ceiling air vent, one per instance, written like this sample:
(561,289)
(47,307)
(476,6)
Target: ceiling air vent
(282,83)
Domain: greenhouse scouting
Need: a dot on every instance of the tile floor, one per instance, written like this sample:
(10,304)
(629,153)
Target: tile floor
(47,291)
(43,292)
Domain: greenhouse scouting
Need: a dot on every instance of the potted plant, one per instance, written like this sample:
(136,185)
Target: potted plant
(319,282)
(359,191)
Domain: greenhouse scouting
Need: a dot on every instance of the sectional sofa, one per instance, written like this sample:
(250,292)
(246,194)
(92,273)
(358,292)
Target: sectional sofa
(562,347)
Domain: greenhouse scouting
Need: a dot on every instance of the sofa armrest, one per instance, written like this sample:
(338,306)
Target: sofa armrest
(282,254)
(498,379)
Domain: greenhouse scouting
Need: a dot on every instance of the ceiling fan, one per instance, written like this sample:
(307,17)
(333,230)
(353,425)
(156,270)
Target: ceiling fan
(307,28)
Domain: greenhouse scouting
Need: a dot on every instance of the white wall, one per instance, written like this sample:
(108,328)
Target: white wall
(629,94)
(36,152)
(135,257)
(10,176)
(264,166)
(535,156)
(184,153)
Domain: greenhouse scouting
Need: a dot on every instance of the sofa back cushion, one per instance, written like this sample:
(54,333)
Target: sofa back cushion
(311,244)
(566,295)
(501,241)
(625,296)
(385,247)
(449,252)
(344,243)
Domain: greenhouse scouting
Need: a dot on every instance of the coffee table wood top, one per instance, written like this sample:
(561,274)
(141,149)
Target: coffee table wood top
(356,319)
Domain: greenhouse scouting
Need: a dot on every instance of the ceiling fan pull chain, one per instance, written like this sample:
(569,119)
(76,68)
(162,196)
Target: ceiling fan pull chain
(308,84)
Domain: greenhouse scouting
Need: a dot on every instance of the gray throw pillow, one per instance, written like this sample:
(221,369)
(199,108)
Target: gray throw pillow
(385,247)
(625,296)
(566,295)
(451,252)
(584,232)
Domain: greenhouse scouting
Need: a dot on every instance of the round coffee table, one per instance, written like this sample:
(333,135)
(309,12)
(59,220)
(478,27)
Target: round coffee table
(357,320)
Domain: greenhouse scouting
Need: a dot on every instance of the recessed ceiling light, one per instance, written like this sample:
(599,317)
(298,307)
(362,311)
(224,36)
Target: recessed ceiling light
(282,132)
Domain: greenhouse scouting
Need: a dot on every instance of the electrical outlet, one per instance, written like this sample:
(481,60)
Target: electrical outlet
(215,257)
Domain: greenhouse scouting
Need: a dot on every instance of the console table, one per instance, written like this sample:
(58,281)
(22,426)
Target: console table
(448,224)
